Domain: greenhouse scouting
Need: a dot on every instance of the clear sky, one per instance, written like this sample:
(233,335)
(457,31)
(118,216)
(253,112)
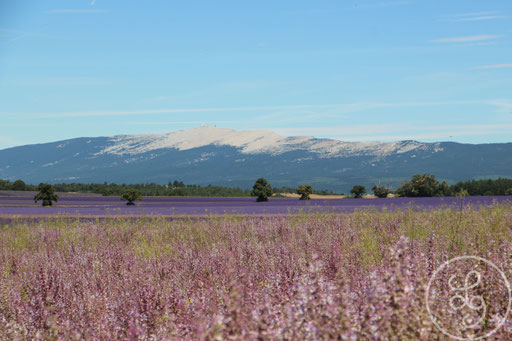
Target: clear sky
(428,70)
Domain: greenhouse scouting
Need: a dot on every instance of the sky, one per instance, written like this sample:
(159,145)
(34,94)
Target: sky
(373,70)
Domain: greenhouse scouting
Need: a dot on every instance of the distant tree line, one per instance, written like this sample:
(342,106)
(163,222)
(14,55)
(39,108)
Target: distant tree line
(18,185)
(285,189)
(484,187)
(426,185)
(174,188)
(420,185)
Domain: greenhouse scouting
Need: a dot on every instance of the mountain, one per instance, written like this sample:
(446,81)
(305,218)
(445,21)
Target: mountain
(220,156)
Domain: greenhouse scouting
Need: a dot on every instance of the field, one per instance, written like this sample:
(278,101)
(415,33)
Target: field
(358,270)
(92,206)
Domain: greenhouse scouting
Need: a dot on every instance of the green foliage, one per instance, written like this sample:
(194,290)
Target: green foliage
(153,189)
(305,191)
(4,185)
(19,185)
(462,193)
(176,183)
(131,195)
(444,189)
(262,190)
(46,194)
(423,185)
(420,185)
(380,191)
(499,186)
(326,192)
(285,189)
(358,191)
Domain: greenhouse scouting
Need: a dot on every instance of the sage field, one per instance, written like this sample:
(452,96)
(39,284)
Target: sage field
(360,275)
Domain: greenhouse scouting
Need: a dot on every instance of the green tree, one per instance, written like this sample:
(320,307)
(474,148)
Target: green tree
(305,191)
(46,194)
(261,189)
(19,185)
(380,191)
(358,191)
(422,185)
(131,195)
(508,191)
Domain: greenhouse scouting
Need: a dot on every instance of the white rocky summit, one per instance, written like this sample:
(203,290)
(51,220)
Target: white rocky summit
(254,142)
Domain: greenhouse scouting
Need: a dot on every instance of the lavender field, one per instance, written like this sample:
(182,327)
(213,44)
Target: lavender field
(179,206)
(360,275)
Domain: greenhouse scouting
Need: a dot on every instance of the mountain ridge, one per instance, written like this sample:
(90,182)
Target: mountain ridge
(221,156)
(250,142)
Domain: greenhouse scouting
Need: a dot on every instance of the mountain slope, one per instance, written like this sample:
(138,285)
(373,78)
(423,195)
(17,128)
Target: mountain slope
(210,155)
(253,142)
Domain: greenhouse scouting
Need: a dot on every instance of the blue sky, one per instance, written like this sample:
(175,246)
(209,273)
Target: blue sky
(351,70)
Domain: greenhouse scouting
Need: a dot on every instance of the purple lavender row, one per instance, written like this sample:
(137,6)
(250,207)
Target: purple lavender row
(204,206)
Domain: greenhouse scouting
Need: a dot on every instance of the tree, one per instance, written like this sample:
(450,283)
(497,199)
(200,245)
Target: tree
(261,189)
(19,185)
(508,191)
(422,185)
(358,191)
(4,184)
(46,194)
(305,191)
(131,195)
(380,191)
